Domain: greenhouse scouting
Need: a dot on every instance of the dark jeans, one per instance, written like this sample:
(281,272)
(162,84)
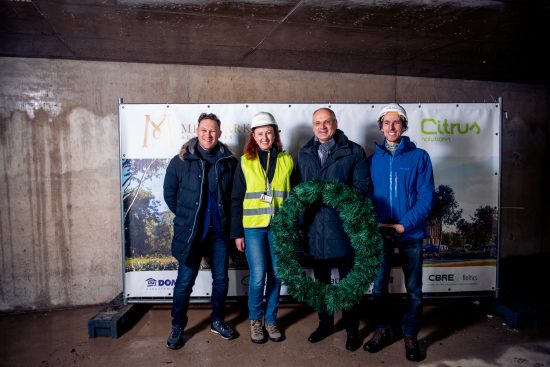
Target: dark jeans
(216,247)
(322,270)
(410,255)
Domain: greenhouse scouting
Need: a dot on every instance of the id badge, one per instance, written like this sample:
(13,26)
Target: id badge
(266,198)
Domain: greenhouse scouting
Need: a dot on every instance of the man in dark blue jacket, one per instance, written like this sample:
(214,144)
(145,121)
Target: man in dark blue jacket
(403,186)
(331,156)
(197,189)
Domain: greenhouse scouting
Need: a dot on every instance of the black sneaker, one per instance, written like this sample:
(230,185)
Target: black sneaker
(225,331)
(175,339)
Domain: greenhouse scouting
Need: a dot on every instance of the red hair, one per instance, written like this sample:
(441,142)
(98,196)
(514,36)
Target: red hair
(250,150)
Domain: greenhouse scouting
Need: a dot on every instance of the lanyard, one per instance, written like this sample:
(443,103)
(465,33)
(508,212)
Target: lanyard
(266,172)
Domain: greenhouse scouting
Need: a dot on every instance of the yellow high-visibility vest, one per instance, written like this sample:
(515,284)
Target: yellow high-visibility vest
(258,213)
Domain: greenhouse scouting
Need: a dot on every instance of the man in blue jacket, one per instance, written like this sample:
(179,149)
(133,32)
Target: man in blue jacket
(331,156)
(197,189)
(403,187)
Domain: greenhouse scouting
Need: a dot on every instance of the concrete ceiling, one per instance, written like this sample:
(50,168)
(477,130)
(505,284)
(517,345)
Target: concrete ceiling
(475,39)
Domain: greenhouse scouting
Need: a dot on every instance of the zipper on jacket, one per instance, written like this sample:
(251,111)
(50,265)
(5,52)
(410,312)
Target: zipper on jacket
(218,174)
(200,201)
(391,187)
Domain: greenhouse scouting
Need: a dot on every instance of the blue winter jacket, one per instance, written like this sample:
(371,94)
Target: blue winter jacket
(347,163)
(403,187)
(184,190)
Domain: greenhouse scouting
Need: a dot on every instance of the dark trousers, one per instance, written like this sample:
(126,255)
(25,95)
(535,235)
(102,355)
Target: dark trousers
(410,255)
(187,274)
(322,270)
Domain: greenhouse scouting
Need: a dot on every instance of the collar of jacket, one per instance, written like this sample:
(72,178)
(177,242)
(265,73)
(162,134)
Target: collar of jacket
(188,150)
(340,140)
(273,151)
(404,146)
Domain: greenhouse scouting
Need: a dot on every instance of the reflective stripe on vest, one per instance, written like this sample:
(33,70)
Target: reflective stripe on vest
(258,213)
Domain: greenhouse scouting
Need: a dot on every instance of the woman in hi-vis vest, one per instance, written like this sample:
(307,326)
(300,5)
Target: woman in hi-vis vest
(260,185)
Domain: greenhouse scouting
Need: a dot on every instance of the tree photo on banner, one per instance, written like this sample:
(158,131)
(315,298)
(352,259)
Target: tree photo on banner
(147,223)
(463,140)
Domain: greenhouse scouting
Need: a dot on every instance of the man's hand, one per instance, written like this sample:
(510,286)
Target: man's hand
(239,242)
(399,228)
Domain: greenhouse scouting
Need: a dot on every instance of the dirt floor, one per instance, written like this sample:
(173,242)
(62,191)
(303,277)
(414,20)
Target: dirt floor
(455,333)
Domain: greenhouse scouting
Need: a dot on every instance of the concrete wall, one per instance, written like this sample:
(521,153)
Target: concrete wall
(59,178)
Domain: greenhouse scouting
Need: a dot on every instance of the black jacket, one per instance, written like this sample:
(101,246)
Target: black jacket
(346,163)
(184,189)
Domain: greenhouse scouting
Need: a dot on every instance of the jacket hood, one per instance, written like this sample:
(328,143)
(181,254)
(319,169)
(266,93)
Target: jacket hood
(190,147)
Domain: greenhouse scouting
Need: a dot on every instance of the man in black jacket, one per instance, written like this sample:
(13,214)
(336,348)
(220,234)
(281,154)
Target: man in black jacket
(331,156)
(197,189)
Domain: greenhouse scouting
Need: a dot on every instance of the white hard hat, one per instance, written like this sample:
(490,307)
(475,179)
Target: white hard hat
(393,107)
(263,119)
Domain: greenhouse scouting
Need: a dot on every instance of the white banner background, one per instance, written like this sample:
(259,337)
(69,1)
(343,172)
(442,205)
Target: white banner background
(463,140)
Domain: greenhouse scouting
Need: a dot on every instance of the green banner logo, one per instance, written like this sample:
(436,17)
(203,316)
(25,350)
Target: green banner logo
(431,126)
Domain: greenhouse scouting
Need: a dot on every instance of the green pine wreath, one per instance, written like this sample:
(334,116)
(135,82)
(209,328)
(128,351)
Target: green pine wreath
(357,214)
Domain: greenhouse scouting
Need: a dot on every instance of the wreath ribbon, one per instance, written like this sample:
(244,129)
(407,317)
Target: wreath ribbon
(359,221)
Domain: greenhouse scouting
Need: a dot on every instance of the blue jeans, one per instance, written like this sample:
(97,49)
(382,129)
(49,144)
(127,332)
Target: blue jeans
(262,263)
(188,269)
(410,255)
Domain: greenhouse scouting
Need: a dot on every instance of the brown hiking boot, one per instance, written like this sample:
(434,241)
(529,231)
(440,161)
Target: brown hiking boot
(274,333)
(380,340)
(257,332)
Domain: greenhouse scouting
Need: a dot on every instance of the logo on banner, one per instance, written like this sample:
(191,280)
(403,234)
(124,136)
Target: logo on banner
(441,277)
(187,131)
(152,282)
(157,129)
(231,132)
(442,130)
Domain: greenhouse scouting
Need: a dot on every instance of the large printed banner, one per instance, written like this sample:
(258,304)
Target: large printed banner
(463,140)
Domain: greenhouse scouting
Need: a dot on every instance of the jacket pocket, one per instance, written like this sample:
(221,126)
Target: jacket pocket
(180,241)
